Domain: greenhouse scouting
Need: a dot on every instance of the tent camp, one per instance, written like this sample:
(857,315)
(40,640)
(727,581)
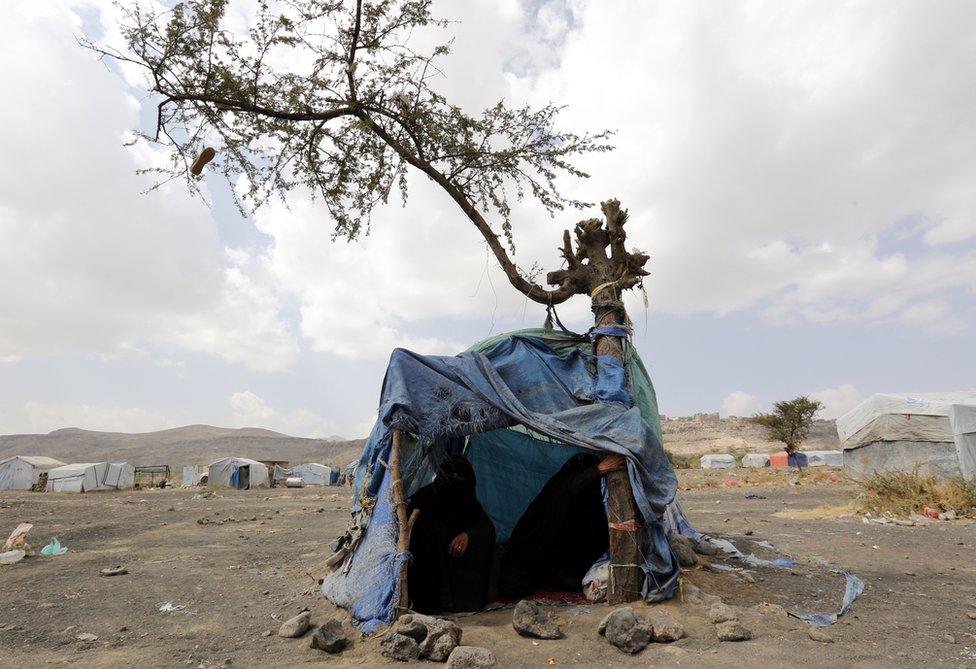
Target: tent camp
(518,406)
(311,473)
(91,476)
(239,473)
(21,472)
(934,431)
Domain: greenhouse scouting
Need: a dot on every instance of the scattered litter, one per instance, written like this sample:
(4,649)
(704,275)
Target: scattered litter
(169,607)
(753,495)
(113,571)
(12,557)
(18,538)
(54,548)
(730,482)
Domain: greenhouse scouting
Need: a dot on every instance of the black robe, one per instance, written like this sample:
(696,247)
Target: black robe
(560,535)
(438,581)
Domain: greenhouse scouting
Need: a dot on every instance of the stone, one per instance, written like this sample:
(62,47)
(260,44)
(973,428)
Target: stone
(721,613)
(399,647)
(706,548)
(531,621)
(470,657)
(436,637)
(732,630)
(971,615)
(297,626)
(695,595)
(818,634)
(684,550)
(113,571)
(948,638)
(330,637)
(86,637)
(770,609)
(664,628)
(626,630)
(266,633)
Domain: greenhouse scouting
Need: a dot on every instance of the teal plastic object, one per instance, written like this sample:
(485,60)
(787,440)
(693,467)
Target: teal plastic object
(54,548)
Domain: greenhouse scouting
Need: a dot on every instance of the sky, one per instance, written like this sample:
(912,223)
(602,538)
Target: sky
(800,173)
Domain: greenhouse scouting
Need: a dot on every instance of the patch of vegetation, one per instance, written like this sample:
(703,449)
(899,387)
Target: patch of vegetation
(904,493)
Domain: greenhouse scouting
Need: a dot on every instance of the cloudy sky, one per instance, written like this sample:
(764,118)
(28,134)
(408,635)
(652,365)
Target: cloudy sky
(802,175)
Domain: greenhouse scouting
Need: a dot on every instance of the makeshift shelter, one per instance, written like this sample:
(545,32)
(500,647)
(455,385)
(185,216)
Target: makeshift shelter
(192,475)
(91,476)
(349,472)
(239,473)
(311,473)
(935,432)
(21,472)
(518,406)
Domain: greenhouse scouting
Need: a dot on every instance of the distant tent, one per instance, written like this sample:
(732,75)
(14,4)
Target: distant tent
(518,406)
(239,473)
(192,475)
(935,432)
(91,476)
(311,473)
(349,472)
(21,472)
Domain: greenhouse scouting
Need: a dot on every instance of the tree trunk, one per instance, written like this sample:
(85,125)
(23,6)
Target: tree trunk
(626,577)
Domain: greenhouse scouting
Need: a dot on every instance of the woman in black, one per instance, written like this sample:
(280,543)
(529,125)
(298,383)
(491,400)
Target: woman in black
(453,542)
(562,532)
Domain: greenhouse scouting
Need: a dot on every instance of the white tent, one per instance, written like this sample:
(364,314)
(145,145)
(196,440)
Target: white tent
(91,476)
(22,471)
(311,473)
(192,475)
(934,431)
(241,473)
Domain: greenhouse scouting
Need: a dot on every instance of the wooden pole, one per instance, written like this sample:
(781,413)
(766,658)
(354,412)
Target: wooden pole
(626,576)
(404,524)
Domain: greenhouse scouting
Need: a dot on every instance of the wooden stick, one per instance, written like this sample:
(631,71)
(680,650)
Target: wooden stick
(404,524)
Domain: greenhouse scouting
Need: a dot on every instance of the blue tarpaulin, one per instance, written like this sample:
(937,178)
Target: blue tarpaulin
(558,392)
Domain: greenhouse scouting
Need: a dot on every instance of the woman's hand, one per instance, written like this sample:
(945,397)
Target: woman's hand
(458,545)
(612,463)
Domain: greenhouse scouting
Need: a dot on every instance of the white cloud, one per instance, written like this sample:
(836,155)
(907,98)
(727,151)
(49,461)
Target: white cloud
(87,262)
(251,410)
(740,403)
(837,401)
(43,417)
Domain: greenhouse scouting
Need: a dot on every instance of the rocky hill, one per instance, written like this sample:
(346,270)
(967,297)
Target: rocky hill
(192,444)
(708,433)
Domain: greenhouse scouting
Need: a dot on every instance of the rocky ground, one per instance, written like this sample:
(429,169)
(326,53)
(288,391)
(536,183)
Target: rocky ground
(211,580)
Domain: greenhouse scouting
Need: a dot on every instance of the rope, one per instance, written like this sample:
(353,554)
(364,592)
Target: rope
(596,290)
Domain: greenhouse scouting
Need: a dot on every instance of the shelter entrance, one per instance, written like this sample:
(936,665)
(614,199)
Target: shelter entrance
(509,514)
(241,478)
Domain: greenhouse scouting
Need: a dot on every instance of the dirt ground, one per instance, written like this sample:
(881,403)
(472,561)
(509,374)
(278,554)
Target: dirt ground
(232,582)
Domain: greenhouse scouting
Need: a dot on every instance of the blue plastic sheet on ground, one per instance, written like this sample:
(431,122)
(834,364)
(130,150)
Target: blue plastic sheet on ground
(852,590)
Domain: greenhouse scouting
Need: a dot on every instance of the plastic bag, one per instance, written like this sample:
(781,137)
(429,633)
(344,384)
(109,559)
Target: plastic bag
(12,557)
(53,548)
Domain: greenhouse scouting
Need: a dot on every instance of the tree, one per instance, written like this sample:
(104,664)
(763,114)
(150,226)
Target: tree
(332,98)
(790,422)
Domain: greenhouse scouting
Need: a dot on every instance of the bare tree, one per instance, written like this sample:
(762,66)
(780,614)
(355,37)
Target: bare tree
(330,97)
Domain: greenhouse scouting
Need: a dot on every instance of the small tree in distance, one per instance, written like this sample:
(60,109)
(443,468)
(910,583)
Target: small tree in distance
(790,423)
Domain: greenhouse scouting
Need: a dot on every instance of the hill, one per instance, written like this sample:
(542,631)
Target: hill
(707,433)
(192,444)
